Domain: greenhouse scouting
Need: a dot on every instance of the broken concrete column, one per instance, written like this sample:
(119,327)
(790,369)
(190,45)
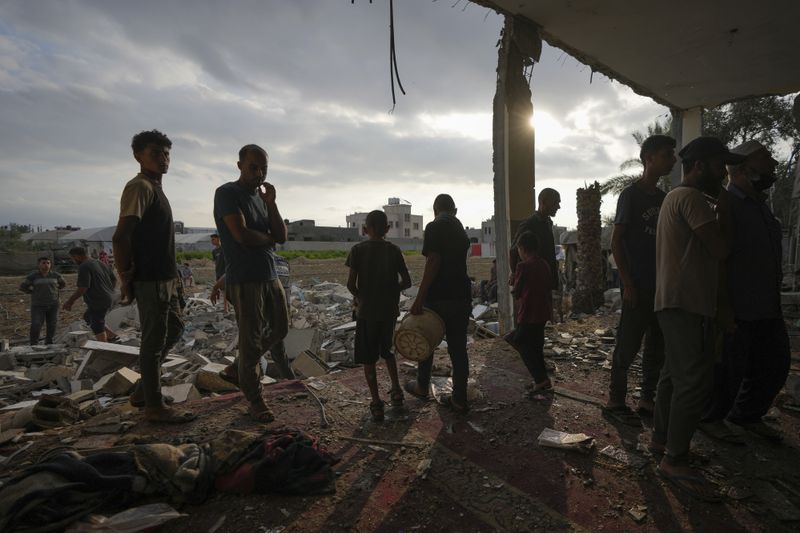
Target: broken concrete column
(589,290)
(513,145)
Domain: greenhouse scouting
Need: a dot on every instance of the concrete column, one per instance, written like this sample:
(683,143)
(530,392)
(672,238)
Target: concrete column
(513,142)
(687,125)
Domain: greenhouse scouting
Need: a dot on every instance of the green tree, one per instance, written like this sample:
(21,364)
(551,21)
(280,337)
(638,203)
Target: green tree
(631,169)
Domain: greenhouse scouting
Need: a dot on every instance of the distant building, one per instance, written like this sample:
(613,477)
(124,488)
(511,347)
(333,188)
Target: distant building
(307,230)
(402,224)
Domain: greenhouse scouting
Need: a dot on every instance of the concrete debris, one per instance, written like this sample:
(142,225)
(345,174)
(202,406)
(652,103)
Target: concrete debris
(566,441)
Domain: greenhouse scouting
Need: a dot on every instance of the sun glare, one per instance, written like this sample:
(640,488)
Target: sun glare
(549,132)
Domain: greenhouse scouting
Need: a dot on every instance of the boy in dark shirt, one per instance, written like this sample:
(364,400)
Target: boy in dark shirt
(375,265)
(445,289)
(532,283)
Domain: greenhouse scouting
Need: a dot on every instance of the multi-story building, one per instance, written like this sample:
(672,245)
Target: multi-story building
(402,224)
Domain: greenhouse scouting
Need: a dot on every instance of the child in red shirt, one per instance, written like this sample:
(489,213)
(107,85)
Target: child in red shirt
(532,283)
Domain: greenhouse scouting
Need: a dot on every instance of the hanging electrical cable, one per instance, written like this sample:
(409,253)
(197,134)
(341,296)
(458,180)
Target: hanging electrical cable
(393,57)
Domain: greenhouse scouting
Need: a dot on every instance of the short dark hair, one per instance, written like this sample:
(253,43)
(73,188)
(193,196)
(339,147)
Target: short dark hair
(444,202)
(654,143)
(378,222)
(143,138)
(214,236)
(528,242)
(43,258)
(78,251)
(547,191)
(247,148)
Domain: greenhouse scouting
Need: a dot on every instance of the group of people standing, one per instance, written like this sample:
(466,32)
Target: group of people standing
(700,269)
(701,278)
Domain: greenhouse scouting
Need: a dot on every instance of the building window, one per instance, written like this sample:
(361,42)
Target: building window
(416,226)
(408,232)
(407,217)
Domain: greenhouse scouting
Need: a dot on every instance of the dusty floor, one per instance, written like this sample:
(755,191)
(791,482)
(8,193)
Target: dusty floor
(487,472)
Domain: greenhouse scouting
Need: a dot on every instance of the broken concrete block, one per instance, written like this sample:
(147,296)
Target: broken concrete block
(181,392)
(309,365)
(82,396)
(48,373)
(104,358)
(120,382)
(75,339)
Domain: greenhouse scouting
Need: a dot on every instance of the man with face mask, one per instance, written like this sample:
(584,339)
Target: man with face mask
(756,355)
(690,241)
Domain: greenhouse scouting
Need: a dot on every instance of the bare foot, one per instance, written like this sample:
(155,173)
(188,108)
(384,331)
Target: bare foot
(261,413)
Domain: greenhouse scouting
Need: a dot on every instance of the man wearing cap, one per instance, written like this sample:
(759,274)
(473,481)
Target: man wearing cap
(756,356)
(691,240)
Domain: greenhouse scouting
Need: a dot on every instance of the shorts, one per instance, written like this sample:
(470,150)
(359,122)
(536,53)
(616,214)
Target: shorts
(373,340)
(96,318)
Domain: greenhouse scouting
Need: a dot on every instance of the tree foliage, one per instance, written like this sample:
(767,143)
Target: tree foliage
(631,169)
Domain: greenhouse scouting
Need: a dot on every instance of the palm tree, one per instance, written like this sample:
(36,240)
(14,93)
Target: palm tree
(632,168)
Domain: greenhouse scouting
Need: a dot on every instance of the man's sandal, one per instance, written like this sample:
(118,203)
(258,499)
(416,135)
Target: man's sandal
(261,413)
(376,411)
(397,397)
(622,414)
(412,387)
(169,416)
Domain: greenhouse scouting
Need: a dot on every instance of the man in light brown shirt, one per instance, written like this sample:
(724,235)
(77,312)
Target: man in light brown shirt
(690,242)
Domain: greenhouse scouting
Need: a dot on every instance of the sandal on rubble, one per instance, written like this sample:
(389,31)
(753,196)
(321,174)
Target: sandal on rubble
(454,406)
(694,486)
(397,397)
(230,375)
(376,410)
(622,414)
(166,415)
(413,388)
(261,413)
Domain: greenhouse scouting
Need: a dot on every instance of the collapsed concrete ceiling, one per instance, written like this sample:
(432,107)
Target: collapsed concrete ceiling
(681,53)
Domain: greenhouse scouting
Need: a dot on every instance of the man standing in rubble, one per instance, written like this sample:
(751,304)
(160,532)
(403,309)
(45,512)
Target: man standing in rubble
(540,223)
(219,264)
(446,290)
(44,286)
(691,240)
(756,354)
(249,224)
(144,254)
(633,244)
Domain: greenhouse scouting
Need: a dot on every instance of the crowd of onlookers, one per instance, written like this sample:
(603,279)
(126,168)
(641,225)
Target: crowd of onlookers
(699,268)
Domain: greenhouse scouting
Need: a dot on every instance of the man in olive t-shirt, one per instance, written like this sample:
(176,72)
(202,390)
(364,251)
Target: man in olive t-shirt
(144,253)
(690,242)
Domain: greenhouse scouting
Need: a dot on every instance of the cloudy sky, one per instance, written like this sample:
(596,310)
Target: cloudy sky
(308,80)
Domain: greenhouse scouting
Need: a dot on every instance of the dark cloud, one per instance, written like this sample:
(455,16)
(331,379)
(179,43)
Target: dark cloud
(309,81)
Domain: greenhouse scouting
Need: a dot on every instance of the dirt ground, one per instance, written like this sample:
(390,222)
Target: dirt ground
(486,470)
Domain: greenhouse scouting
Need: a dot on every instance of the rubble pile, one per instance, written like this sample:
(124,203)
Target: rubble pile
(76,379)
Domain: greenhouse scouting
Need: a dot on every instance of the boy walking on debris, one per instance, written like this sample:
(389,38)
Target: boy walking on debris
(375,266)
(445,289)
(532,283)
(144,254)
(249,224)
(633,245)
(43,286)
(96,282)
